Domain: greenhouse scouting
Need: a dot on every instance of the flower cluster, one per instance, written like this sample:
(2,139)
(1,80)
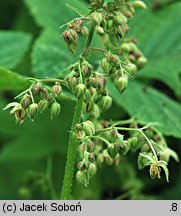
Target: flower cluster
(100,141)
(29,107)
(70,35)
(90,86)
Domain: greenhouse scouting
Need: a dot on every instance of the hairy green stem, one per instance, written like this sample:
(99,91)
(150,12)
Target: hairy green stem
(71,155)
(73,142)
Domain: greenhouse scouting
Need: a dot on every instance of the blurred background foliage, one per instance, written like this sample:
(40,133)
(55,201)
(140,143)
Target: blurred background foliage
(30,45)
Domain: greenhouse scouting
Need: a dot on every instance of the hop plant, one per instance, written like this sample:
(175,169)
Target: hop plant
(98,142)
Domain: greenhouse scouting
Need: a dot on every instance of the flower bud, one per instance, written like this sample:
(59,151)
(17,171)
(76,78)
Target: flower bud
(97,18)
(131,69)
(81,88)
(87,95)
(114,38)
(81,178)
(105,64)
(82,149)
(119,20)
(70,25)
(95,113)
(131,8)
(36,88)
(109,161)
(125,148)
(89,128)
(145,147)
(20,115)
(90,146)
(115,60)
(72,81)
(132,58)
(122,83)
(66,36)
(100,30)
(90,105)
(44,93)
(25,101)
(50,99)
(55,110)
(79,22)
(114,133)
(117,147)
(127,13)
(57,89)
(86,68)
(110,24)
(105,103)
(155,171)
(81,166)
(101,82)
(120,139)
(141,62)
(33,110)
(91,157)
(125,47)
(73,36)
(134,143)
(92,169)
(139,4)
(76,27)
(81,135)
(84,31)
(78,127)
(94,5)
(72,47)
(120,30)
(111,151)
(42,106)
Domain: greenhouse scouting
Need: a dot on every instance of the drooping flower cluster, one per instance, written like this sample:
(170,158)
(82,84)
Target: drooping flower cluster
(29,107)
(100,141)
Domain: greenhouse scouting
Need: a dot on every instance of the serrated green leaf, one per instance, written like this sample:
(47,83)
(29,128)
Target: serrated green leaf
(51,14)
(12,81)
(50,53)
(150,106)
(165,68)
(49,56)
(160,42)
(157,32)
(13,45)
